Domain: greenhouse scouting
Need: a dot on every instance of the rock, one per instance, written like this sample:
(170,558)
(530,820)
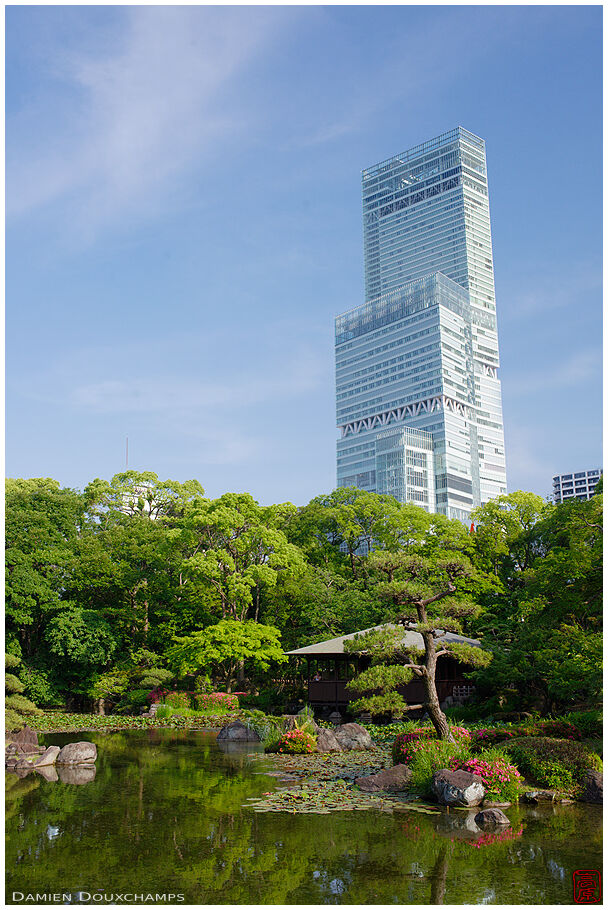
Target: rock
(457,788)
(237,732)
(10,763)
(490,804)
(25,735)
(77,753)
(76,774)
(535,796)
(594,787)
(10,749)
(49,772)
(22,764)
(327,742)
(353,736)
(335,718)
(460,825)
(395,778)
(48,757)
(491,818)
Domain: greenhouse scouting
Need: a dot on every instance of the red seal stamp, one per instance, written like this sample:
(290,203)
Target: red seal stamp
(587,886)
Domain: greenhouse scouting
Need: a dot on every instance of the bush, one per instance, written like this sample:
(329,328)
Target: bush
(431,755)
(557,729)
(557,763)
(40,688)
(164,712)
(588,723)
(203,685)
(215,702)
(295,742)
(484,737)
(177,699)
(405,745)
(268,728)
(502,781)
(132,700)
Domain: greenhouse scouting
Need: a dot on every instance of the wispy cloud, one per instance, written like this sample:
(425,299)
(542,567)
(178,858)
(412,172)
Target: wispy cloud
(157,394)
(141,111)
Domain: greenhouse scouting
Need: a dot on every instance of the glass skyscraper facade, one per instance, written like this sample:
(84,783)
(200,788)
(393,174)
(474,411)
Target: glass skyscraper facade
(422,352)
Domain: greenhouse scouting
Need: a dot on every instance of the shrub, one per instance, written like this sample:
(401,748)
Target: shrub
(132,700)
(502,781)
(177,699)
(588,723)
(215,702)
(295,742)
(557,763)
(203,685)
(40,687)
(164,712)
(405,745)
(558,729)
(431,755)
(268,728)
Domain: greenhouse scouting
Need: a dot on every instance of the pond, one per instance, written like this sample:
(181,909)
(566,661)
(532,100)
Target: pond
(166,814)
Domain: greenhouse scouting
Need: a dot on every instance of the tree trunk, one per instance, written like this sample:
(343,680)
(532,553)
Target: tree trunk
(439,878)
(438,718)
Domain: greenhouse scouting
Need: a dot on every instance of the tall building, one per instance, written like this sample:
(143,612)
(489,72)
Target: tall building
(422,352)
(575,486)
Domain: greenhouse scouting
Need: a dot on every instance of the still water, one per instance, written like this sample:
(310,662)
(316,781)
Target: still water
(166,814)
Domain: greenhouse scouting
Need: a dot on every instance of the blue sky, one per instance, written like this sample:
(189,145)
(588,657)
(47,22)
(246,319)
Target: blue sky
(184,221)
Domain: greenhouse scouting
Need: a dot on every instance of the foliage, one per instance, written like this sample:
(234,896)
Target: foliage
(429,756)
(18,708)
(547,761)
(588,723)
(133,700)
(177,699)
(40,686)
(294,742)
(406,745)
(501,779)
(215,702)
(225,646)
(268,728)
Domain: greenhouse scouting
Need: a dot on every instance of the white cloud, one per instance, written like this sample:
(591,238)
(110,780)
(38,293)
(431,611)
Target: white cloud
(140,113)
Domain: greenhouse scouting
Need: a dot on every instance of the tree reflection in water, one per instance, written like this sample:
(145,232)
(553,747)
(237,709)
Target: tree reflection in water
(166,811)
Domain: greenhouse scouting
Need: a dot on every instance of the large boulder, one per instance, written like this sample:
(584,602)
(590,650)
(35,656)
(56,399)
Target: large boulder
(238,732)
(457,788)
(327,742)
(491,818)
(353,736)
(48,757)
(77,754)
(594,787)
(395,778)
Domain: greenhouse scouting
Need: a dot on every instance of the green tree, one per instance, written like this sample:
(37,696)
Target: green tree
(141,493)
(235,547)
(223,648)
(431,598)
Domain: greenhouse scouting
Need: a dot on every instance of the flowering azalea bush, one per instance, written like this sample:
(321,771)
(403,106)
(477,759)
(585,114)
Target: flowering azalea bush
(560,764)
(501,780)
(216,702)
(295,742)
(491,736)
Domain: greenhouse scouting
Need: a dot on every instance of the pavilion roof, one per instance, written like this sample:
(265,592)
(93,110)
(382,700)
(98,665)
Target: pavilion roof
(412,639)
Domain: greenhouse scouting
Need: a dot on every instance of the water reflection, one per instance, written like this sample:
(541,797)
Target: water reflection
(166,811)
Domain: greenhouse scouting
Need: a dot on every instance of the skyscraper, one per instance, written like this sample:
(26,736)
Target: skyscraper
(422,352)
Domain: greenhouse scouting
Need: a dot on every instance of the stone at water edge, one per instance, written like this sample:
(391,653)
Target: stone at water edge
(77,753)
(457,788)
(25,736)
(327,742)
(49,772)
(353,736)
(48,757)
(238,732)
(491,818)
(594,787)
(395,778)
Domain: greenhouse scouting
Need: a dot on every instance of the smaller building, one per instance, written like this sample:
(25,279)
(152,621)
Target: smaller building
(328,669)
(579,486)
